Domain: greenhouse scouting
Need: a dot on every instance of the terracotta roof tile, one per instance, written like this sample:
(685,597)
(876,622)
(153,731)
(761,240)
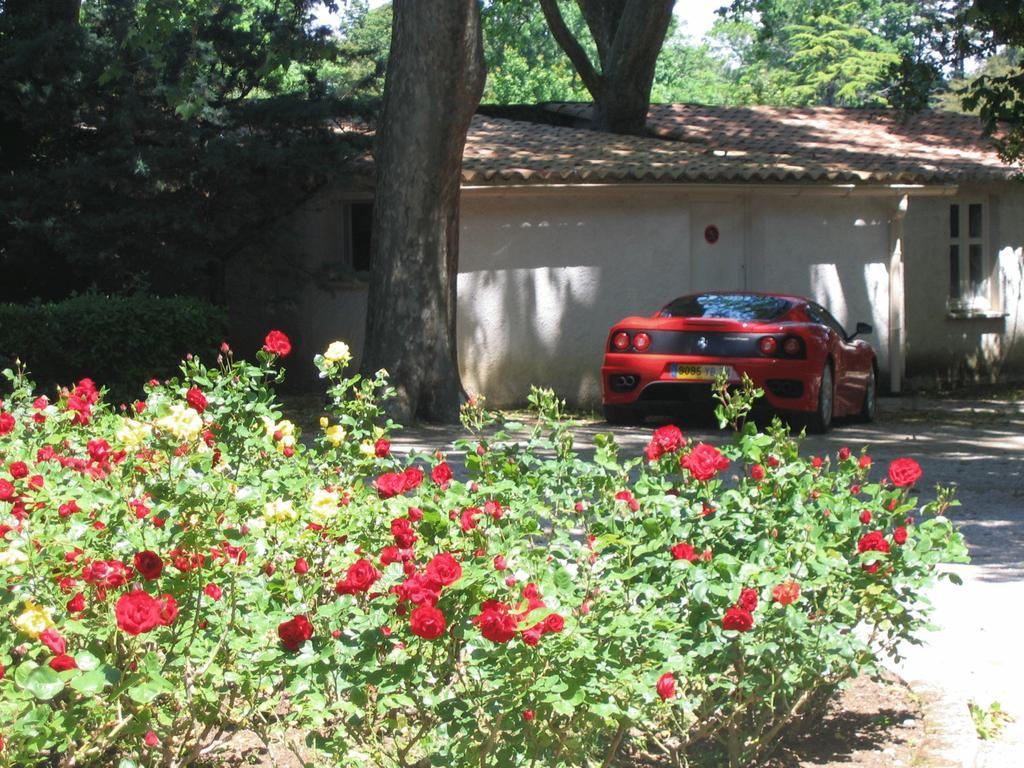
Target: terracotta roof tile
(697,143)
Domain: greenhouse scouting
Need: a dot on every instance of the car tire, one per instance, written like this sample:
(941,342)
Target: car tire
(820,421)
(869,407)
(622,415)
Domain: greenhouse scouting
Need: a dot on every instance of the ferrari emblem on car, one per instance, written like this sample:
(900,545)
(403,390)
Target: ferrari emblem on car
(702,342)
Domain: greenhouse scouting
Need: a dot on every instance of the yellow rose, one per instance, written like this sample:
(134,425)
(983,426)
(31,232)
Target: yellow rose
(279,511)
(324,505)
(34,620)
(324,422)
(338,352)
(133,433)
(335,435)
(367,448)
(182,422)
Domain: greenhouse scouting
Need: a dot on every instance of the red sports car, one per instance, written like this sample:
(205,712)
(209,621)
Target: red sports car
(791,347)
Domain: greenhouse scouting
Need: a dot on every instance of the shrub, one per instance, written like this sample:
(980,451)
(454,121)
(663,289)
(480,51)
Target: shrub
(196,567)
(121,341)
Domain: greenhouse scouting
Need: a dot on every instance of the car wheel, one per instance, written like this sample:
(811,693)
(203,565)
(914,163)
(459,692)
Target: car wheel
(621,415)
(870,406)
(821,420)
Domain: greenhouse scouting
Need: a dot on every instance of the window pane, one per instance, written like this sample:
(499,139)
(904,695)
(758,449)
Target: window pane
(974,220)
(954,271)
(954,221)
(362,228)
(975,269)
(731,306)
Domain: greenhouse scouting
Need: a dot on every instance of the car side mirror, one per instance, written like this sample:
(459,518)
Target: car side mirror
(863,329)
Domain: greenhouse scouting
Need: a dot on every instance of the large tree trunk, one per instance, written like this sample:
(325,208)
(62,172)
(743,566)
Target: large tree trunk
(628,35)
(435,78)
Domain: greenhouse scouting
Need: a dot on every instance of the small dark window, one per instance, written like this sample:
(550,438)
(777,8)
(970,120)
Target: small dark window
(954,221)
(361,223)
(974,220)
(974,268)
(954,271)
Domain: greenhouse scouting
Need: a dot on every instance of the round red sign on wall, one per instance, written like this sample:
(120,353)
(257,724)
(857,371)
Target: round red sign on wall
(711,234)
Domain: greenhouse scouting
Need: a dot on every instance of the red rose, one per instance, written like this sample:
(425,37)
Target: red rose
(873,542)
(427,622)
(899,536)
(864,461)
(844,453)
(441,474)
(667,439)
(149,564)
(213,592)
(382,448)
(495,622)
(738,619)
(411,478)
(168,609)
(904,472)
(444,569)
(196,399)
(748,599)
(865,516)
(151,739)
(106,573)
(704,462)
(52,640)
(18,469)
(666,686)
(467,520)
(62,663)
(6,490)
(757,472)
(389,484)
(277,343)
(301,566)
(76,604)
(360,576)
(786,593)
(138,612)
(6,423)
(626,496)
(294,632)
(500,564)
(684,551)
(527,716)
(554,623)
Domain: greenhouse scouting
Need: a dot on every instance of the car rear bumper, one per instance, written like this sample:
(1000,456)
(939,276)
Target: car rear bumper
(649,380)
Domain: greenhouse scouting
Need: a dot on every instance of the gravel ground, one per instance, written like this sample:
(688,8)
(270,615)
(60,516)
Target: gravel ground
(978,445)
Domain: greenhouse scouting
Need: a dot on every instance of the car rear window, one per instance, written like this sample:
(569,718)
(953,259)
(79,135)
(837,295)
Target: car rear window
(728,306)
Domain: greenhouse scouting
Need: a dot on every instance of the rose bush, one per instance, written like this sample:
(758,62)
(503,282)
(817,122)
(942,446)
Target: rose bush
(181,567)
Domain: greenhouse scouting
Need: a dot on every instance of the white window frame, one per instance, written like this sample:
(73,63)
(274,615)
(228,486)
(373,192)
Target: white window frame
(983,299)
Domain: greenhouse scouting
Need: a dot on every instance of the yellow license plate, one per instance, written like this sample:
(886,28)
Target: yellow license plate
(700,372)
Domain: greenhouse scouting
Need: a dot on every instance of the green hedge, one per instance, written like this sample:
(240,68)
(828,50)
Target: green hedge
(120,341)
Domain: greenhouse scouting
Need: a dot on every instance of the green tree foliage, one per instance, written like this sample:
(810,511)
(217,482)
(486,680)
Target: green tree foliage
(846,52)
(364,39)
(524,62)
(997,92)
(151,141)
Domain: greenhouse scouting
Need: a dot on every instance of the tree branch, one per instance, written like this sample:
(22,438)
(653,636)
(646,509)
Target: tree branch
(591,78)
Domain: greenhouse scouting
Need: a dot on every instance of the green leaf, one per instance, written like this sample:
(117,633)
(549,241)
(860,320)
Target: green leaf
(43,683)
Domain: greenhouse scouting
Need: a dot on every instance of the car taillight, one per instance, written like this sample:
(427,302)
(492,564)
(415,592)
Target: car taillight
(641,341)
(621,341)
(791,346)
(767,345)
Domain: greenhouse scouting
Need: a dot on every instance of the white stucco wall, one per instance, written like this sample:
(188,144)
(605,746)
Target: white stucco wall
(545,273)
(946,350)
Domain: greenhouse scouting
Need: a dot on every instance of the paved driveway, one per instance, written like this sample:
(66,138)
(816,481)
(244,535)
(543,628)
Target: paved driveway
(977,652)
